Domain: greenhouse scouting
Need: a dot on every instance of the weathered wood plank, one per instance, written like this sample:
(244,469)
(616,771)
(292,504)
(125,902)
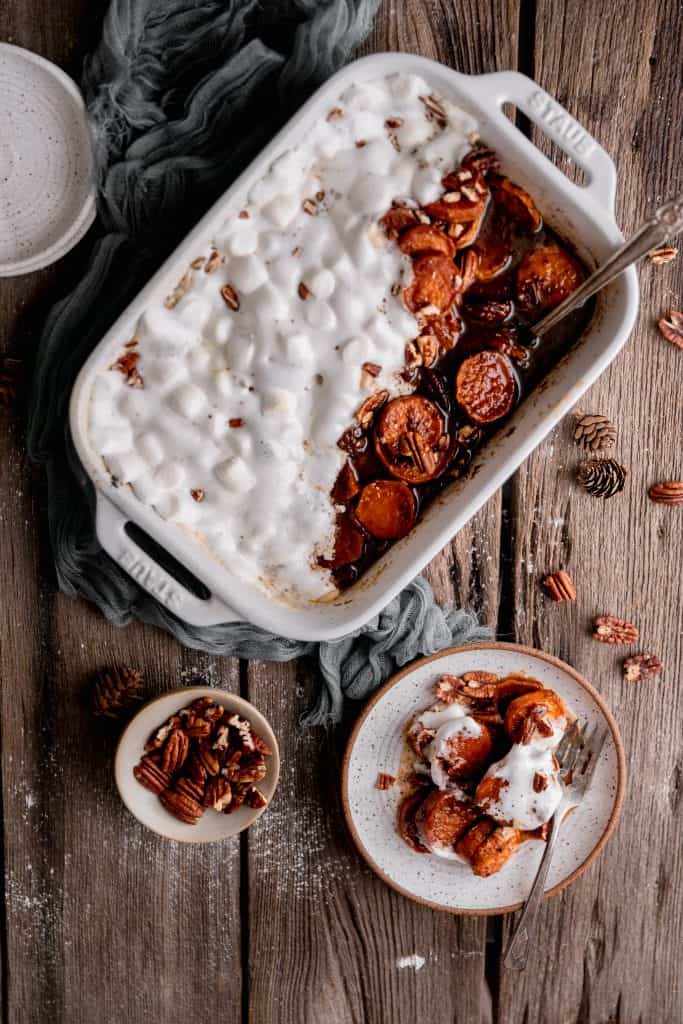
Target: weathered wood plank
(327,939)
(103,921)
(608,948)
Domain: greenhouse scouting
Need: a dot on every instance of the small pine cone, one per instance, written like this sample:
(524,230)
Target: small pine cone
(641,666)
(115,691)
(608,629)
(150,775)
(603,478)
(595,433)
(560,586)
(669,492)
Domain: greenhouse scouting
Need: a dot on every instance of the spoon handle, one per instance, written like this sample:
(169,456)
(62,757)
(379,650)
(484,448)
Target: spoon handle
(667,220)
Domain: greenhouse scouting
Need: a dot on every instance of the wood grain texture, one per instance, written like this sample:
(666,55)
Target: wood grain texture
(611,943)
(337,934)
(104,922)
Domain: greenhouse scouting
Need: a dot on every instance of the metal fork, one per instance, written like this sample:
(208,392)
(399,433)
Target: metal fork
(578,754)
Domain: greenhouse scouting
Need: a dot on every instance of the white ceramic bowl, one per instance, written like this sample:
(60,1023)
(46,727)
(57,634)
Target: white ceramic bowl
(47,190)
(375,746)
(146,805)
(583,215)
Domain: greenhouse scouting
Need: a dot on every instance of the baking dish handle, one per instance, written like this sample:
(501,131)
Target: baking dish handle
(556,122)
(110,523)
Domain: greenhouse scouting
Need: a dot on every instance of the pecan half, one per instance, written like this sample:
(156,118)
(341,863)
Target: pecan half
(672,329)
(183,286)
(208,758)
(664,255)
(608,629)
(218,793)
(669,492)
(434,110)
(560,586)
(366,411)
(447,689)
(230,297)
(385,781)
(189,787)
(255,799)
(175,751)
(540,782)
(150,775)
(182,806)
(641,666)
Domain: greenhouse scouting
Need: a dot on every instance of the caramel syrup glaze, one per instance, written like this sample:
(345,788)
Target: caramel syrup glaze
(532,362)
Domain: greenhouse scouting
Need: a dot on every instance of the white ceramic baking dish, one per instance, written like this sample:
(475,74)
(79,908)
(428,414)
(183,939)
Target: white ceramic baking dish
(582,214)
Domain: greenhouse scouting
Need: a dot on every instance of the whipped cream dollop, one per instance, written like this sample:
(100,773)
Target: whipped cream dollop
(450,723)
(252,369)
(518,802)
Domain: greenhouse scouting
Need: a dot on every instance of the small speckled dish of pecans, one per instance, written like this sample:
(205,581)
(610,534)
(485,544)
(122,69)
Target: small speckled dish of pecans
(197,765)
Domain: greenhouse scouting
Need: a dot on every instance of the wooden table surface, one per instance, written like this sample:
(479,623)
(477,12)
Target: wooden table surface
(103,922)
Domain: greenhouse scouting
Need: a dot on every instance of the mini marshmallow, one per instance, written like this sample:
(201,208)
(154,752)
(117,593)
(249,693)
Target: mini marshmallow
(322,283)
(236,475)
(371,193)
(127,467)
(247,274)
(282,210)
(170,475)
(244,242)
(188,400)
(321,315)
(298,349)
(220,329)
(150,447)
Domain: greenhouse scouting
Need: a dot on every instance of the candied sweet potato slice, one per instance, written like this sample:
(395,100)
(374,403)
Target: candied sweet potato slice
(515,686)
(387,509)
(407,828)
(408,439)
(463,205)
(486,310)
(539,705)
(426,238)
(465,756)
(348,544)
(346,486)
(545,277)
(485,386)
(494,255)
(442,818)
(495,850)
(398,219)
(470,842)
(433,284)
(518,204)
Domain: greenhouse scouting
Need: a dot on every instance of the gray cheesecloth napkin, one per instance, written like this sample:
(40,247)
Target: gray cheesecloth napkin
(181,95)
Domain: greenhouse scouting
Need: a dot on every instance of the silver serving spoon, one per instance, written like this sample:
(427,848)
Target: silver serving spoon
(666,222)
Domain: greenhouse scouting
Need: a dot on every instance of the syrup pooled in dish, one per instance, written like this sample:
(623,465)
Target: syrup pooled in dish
(484,778)
(480,268)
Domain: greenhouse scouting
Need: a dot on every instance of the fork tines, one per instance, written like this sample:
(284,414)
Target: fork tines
(579,752)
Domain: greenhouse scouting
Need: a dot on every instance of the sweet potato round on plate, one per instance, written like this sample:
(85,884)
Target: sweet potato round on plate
(539,704)
(463,754)
(485,387)
(407,438)
(545,277)
(426,238)
(496,848)
(407,827)
(387,509)
(469,843)
(442,818)
(433,283)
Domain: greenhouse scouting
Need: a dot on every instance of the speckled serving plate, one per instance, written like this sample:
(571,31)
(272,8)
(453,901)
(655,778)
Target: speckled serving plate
(376,744)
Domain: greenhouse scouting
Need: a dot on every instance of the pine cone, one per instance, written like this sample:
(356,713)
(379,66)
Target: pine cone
(602,478)
(595,432)
(115,691)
